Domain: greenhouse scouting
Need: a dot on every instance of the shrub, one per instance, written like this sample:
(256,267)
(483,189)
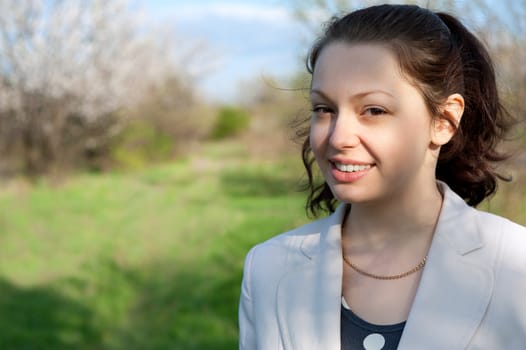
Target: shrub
(230,122)
(139,144)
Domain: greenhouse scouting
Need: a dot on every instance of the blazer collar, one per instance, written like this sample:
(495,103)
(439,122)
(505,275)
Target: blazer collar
(328,237)
(451,299)
(463,239)
(309,295)
(456,284)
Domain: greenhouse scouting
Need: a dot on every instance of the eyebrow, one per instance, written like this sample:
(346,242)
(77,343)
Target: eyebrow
(358,95)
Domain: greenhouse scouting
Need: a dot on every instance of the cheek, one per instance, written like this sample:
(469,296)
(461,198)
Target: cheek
(411,141)
(318,136)
(416,125)
(421,131)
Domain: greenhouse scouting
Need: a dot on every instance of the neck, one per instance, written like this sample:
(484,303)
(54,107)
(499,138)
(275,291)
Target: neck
(398,221)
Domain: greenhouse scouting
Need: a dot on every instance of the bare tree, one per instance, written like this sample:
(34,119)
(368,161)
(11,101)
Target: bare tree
(66,69)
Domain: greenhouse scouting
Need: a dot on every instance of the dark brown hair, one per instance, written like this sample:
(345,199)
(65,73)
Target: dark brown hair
(440,57)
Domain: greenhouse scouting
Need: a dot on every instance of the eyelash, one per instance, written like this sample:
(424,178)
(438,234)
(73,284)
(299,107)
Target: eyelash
(321,110)
(374,111)
(369,111)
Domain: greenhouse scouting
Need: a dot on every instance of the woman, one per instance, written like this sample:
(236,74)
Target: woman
(405,125)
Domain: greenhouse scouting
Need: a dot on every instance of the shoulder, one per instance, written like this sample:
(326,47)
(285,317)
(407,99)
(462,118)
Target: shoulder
(507,242)
(502,239)
(272,258)
(509,238)
(289,242)
(494,220)
(266,263)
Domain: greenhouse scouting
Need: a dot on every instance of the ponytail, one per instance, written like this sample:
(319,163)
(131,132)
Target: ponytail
(466,162)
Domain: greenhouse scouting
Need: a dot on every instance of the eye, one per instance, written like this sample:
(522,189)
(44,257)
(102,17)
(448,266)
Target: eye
(374,111)
(322,110)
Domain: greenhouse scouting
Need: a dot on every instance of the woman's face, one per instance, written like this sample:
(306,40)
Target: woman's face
(370,128)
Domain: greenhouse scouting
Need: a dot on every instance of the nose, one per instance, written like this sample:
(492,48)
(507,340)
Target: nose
(344,131)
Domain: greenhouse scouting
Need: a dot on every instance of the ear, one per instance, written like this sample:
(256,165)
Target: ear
(445,126)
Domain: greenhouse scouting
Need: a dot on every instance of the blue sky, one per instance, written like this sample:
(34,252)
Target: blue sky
(246,40)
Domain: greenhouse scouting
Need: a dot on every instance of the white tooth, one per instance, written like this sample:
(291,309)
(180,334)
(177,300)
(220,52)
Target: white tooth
(349,168)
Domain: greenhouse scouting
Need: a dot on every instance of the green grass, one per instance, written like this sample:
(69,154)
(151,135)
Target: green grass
(150,259)
(144,260)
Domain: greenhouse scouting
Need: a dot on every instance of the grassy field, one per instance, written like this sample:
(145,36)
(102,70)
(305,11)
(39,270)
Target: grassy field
(145,260)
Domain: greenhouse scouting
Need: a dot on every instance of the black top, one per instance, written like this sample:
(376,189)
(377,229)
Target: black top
(357,334)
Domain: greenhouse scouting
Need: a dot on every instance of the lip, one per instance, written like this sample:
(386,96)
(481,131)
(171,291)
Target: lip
(348,177)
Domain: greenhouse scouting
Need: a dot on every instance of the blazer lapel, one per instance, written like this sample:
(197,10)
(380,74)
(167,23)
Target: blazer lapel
(456,284)
(309,296)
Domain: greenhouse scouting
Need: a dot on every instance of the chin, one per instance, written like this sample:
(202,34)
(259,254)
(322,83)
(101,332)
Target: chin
(352,196)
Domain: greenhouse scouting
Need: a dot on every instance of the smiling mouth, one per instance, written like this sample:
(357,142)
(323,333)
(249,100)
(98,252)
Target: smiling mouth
(351,168)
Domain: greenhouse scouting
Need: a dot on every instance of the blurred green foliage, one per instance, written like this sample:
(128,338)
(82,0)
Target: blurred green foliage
(140,144)
(230,122)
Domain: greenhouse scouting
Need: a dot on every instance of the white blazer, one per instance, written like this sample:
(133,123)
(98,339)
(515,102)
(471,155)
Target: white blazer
(472,294)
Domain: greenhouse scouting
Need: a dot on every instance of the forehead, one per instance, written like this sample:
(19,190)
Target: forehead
(357,66)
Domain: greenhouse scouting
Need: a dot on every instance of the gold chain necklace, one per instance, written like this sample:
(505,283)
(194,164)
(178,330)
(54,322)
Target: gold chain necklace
(392,277)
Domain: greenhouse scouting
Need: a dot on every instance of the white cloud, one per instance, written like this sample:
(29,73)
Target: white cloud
(234,11)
